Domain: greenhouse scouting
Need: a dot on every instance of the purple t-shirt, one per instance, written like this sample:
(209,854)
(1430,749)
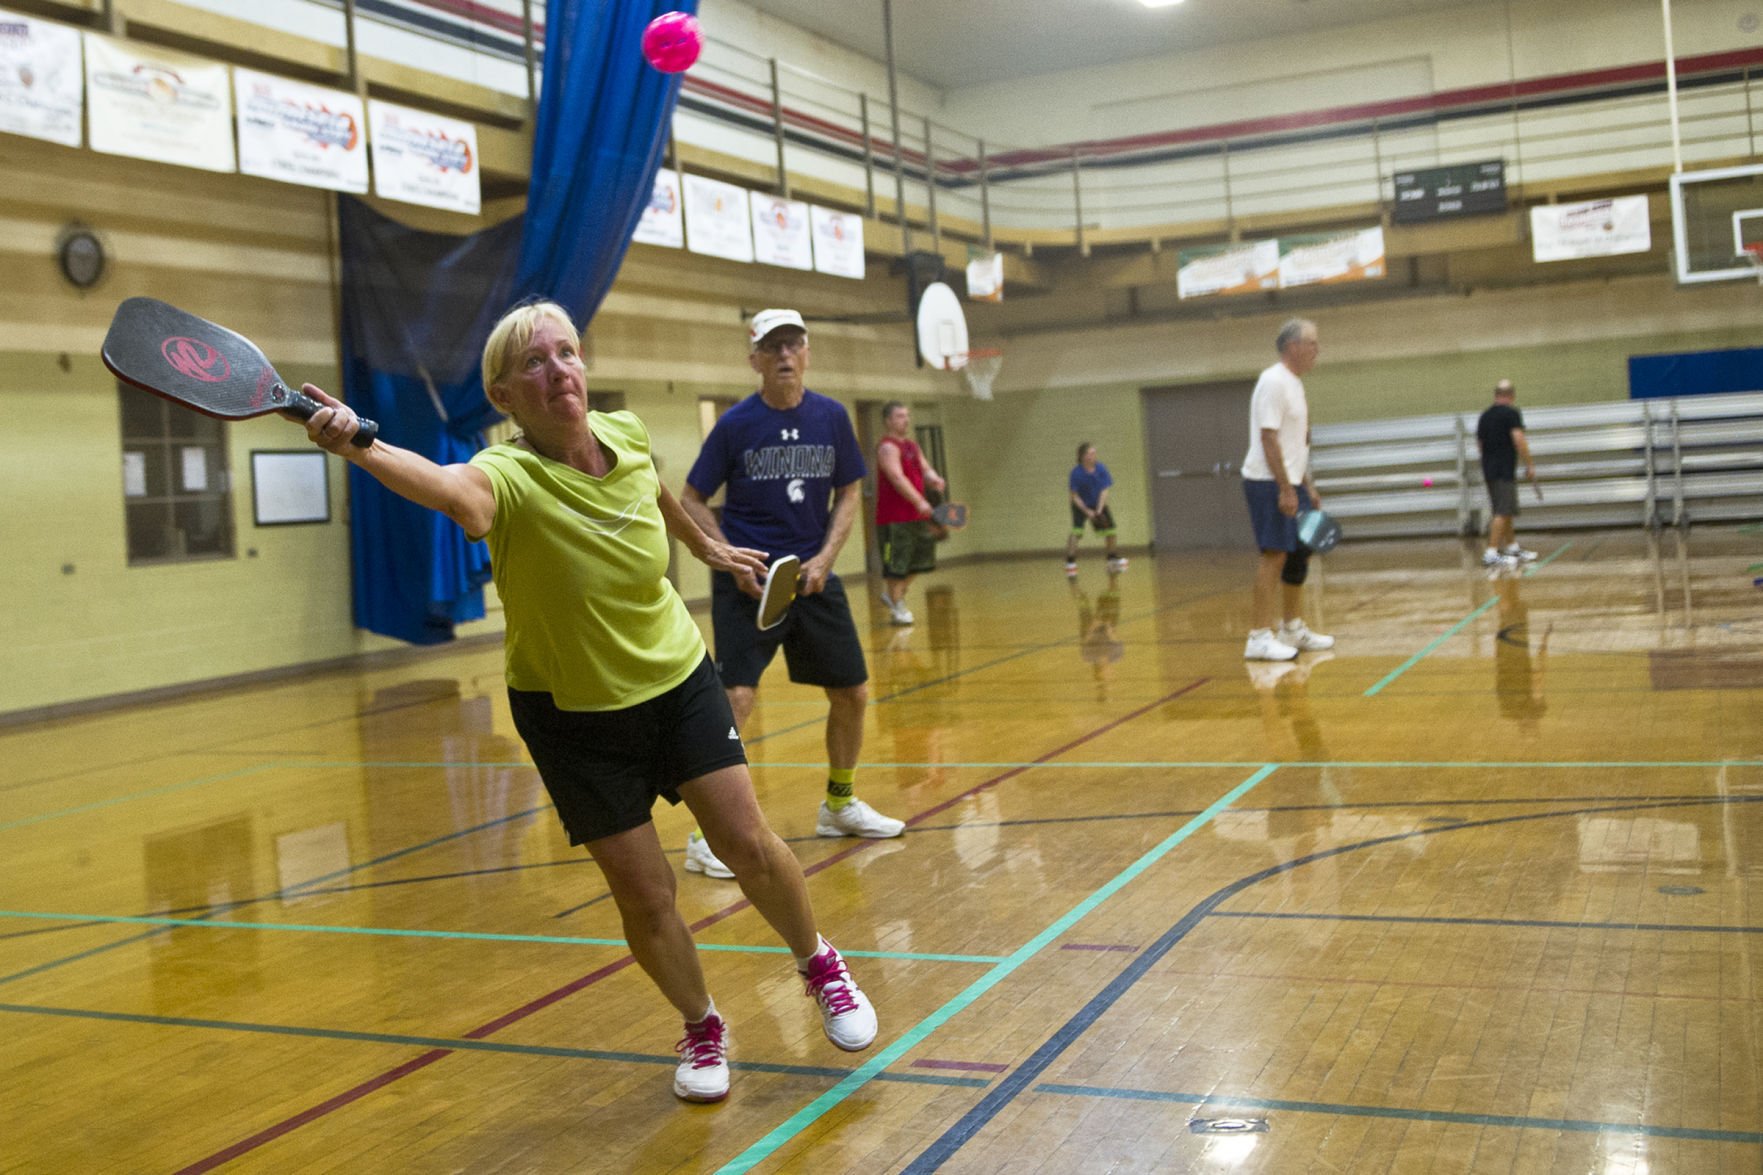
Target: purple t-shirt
(781,467)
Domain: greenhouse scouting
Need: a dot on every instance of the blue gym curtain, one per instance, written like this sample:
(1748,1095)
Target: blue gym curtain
(417,306)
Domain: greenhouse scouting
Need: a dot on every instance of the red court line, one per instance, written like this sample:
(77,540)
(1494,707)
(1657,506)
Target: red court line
(350,1096)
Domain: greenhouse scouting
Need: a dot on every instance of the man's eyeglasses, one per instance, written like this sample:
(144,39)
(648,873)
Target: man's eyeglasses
(777,346)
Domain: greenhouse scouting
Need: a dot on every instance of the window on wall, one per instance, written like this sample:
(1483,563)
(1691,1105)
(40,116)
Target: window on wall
(930,440)
(177,496)
(710,410)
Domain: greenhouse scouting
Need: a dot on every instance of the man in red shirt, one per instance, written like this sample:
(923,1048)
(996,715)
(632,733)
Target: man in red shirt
(902,512)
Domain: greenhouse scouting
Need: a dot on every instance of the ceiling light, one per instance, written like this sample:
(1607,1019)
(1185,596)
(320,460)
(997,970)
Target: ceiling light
(1160,3)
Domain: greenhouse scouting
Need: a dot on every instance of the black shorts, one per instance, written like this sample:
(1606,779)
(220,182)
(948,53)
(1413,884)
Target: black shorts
(1503,497)
(1102,523)
(907,548)
(818,636)
(604,768)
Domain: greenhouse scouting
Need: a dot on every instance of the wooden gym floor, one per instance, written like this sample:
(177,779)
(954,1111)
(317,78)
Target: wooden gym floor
(1479,892)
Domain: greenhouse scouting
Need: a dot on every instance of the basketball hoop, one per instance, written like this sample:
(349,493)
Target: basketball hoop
(979,368)
(1753,254)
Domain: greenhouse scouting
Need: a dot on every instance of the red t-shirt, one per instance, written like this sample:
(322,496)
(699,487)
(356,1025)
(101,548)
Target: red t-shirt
(890,506)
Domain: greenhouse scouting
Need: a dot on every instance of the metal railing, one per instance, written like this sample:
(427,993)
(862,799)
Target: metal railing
(1657,462)
(809,131)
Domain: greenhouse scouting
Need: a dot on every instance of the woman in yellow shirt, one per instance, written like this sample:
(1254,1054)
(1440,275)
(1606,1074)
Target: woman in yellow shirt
(609,682)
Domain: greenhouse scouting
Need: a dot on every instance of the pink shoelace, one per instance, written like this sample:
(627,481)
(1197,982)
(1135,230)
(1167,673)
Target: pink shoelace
(830,983)
(704,1045)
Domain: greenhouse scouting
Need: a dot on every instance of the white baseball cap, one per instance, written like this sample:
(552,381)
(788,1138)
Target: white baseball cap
(767,321)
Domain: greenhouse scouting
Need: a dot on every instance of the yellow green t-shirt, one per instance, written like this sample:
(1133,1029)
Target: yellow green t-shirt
(580,563)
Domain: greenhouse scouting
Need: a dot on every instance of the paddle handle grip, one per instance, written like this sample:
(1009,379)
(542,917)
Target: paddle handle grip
(303,406)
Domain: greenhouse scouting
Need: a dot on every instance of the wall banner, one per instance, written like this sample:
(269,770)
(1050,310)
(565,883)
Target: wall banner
(423,158)
(158,105)
(985,276)
(1591,228)
(300,134)
(42,91)
(663,220)
(781,235)
(1327,258)
(718,223)
(1242,268)
(838,242)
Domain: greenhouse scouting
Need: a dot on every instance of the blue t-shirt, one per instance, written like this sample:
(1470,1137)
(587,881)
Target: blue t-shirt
(781,467)
(1089,486)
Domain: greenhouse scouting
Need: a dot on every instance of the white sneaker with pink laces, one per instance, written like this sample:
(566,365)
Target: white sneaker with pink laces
(845,1012)
(702,1075)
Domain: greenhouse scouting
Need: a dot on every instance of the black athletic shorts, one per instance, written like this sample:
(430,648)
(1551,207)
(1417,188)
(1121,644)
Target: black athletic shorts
(1102,523)
(818,637)
(604,768)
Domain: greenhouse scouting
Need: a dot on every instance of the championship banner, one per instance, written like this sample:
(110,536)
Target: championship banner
(158,105)
(985,276)
(717,220)
(42,92)
(838,242)
(1326,258)
(663,220)
(423,158)
(1592,228)
(1242,268)
(781,235)
(300,134)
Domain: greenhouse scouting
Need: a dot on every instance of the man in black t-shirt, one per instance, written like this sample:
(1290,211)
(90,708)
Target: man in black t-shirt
(1499,434)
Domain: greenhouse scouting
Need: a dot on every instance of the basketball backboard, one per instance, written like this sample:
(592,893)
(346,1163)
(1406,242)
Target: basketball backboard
(1715,216)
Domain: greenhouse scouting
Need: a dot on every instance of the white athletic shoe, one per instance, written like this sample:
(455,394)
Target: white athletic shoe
(1071,568)
(900,613)
(1264,646)
(845,1012)
(1298,635)
(1519,553)
(1117,564)
(857,819)
(699,859)
(1491,558)
(702,1075)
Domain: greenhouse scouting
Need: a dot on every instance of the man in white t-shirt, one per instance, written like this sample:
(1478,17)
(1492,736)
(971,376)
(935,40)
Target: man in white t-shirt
(1277,484)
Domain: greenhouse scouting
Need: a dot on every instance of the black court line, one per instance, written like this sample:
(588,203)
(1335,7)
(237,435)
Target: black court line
(1022,1078)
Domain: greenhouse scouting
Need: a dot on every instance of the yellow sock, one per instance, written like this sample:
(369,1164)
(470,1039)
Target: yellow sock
(839,787)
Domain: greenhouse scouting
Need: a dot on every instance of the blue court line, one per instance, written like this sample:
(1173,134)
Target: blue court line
(1544,923)
(1577,1125)
(915,1035)
(464,1044)
(455,935)
(1456,628)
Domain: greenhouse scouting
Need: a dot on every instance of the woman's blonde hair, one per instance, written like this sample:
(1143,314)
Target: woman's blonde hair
(515,330)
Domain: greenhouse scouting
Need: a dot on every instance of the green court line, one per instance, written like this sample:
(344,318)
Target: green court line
(460,935)
(1457,627)
(872,1068)
(140,795)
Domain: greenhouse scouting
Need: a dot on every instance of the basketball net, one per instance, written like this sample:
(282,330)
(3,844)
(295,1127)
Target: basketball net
(979,369)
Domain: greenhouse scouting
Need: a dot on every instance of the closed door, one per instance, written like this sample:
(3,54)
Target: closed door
(1195,438)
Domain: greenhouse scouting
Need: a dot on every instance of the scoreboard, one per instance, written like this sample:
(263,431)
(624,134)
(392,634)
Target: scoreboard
(1439,193)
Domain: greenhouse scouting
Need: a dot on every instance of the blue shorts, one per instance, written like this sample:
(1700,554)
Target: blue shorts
(1273,530)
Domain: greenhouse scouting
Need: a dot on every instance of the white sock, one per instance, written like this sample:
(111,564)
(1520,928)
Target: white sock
(1294,622)
(802,963)
(711,1012)
(1493,551)
(1513,548)
(1257,633)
